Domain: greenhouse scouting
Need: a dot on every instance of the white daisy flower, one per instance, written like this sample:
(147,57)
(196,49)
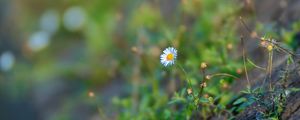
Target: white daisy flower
(168,57)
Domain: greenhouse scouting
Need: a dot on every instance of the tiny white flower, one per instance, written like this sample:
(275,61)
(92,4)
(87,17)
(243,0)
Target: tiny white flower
(168,57)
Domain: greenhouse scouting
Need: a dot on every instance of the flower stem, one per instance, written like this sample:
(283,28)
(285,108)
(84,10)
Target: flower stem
(187,80)
(203,81)
(223,74)
(270,64)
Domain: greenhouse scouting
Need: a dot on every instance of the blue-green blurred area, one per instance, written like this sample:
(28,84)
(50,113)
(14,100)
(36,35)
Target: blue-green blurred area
(55,53)
(99,59)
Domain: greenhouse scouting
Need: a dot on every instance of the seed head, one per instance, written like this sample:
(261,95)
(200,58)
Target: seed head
(189,91)
(203,84)
(225,85)
(203,65)
(229,46)
(134,49)
(91,94)
(208,77)
(206,95)
(263,43)
(239,71)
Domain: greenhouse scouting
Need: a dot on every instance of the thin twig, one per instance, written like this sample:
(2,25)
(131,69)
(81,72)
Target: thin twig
(283,49)
(257,37)
(244,24)
(244,60)
(100,111)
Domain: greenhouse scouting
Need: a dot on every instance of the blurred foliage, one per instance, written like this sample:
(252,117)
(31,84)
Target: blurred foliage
(98,42)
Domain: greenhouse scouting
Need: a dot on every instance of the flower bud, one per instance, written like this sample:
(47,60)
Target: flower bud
(270,47)
(211,99)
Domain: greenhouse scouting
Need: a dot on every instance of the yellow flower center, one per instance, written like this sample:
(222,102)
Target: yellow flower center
(170,57)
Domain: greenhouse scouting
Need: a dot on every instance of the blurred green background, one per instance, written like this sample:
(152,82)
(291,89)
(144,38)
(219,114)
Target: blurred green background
(99,59)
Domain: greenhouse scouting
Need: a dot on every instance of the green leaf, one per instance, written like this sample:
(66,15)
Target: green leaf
(290,60)
(204,100)
(176,100)
(293,89)
(253,64)
(241,100)
(167,114)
